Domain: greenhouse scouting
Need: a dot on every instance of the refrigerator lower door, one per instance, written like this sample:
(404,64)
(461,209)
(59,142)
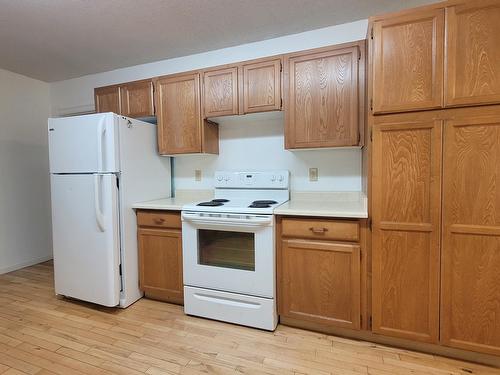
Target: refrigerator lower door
(85,221)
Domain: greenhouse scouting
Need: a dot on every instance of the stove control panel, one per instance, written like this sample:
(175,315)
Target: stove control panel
(252,179)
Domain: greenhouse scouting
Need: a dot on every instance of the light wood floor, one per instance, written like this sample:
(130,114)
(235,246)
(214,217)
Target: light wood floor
(41,334)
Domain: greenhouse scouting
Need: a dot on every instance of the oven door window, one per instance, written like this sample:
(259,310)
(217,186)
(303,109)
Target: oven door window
(226,249)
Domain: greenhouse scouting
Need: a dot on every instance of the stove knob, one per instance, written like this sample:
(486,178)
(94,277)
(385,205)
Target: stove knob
(281,179)
(219,178)
(273,178)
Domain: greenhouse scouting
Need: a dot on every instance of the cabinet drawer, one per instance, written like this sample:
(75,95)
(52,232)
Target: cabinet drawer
(160,219)
(343,230)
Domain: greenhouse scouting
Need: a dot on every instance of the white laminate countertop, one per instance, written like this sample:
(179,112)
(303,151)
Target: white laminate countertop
(181,198)
(326,204)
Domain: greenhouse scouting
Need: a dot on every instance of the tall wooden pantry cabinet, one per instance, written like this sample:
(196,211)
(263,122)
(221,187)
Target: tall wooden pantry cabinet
(434,90)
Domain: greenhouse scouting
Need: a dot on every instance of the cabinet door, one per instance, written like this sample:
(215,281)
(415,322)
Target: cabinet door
(178,113)
(160,264)
(473,53)
(321,104)
(408,62)
(262,86)
(406,217)
(320,282)
(220,92)
(107,99)
(470,317)
(137,99)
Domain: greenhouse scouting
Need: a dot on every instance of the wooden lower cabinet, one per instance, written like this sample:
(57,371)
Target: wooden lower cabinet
(470,306)
(406,209)
(319,280)
(160,256)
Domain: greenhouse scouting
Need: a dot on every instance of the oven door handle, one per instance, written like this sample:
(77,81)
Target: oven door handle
(248,221)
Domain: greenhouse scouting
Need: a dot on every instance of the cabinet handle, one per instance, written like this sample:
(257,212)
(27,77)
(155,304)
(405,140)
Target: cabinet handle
(318,230)
(159,221)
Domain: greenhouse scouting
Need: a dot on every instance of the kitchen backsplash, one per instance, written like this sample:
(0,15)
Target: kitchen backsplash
(256,142)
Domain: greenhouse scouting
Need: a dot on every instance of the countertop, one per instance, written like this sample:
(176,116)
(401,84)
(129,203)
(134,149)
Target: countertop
(175,203)
(326,204)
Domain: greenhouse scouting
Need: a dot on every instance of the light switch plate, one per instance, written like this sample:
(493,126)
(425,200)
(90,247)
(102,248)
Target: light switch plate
(313,174)
(197,174)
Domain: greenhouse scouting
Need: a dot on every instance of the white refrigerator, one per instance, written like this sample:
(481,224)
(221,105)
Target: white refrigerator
(100,165)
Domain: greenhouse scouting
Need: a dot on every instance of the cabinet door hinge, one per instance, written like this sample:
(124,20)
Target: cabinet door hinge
(370,225)
(371,135)
(371,33)
(281,66)
(371,104)
(281,103)
(370,323)
(359,54)
(361,320)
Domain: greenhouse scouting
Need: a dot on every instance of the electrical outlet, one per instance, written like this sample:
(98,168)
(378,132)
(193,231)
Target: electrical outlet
(197,174)
(313,174)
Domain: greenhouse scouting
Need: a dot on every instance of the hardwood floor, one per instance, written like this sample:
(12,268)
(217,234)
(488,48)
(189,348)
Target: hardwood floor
(42,334)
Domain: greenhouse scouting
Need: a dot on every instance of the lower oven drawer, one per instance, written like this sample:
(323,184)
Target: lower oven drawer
(231,307)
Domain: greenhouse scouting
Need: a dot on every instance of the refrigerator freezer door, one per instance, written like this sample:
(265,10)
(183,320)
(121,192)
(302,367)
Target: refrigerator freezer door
(84,144)
(86,237)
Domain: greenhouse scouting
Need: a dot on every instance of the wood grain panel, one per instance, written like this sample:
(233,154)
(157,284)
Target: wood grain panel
(322,98)
(473,53)
(471,240)
(407,62)
(321,282)
(178,112)
(406,226)
(220,92)
(160,264)
(262,86)
(137,99)
(107,99)
(340,230)
(162,219)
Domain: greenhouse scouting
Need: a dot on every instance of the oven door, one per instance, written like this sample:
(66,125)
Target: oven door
(229,252)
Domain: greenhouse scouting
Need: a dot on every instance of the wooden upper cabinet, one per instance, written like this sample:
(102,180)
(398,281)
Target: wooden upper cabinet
(181,128)
(220,92)
(473,53)
(322,97)
(320,282)
(406,202)
(262,86)
(107,99)
(407,62)
(137,99)
(470,307)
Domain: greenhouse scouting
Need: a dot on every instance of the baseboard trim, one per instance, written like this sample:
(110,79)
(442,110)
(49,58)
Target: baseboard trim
(464,355)
(18,266)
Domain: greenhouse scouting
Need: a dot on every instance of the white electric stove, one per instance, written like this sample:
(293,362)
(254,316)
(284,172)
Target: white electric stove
(229,254)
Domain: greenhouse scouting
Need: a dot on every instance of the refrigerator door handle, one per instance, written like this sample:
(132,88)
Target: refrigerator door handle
(101,131)
(97,202)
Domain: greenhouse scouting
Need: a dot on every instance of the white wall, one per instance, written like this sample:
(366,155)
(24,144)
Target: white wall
(25,224)
(255,143)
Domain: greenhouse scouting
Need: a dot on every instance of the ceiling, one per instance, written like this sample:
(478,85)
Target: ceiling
(53,40)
